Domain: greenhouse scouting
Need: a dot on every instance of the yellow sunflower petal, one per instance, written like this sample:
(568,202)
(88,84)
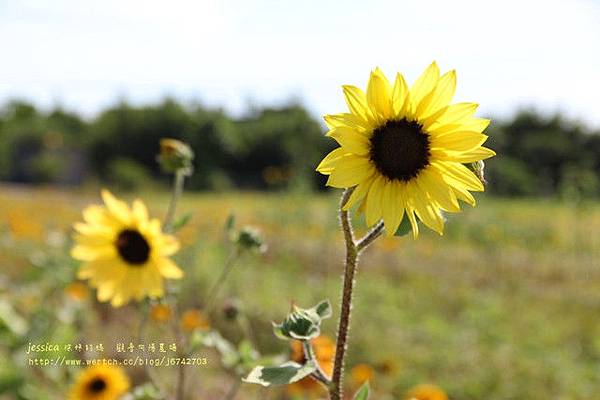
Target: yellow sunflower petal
(458,175)
(454,114)
(374,198)
(379,96)
(439,97)
(117,207)
(90,253)
(392,207)
(328,164)
(350,172)
(399,96)
(359,193)
(140,212)
(464,195)
(424,85)
(345,120)
(480,153)
(167,245)
(424,208)
(357,102)
(436,188)
(350,140)
(458,141)
(169,269)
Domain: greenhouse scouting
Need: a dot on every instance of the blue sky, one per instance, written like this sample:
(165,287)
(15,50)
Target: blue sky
(85,55)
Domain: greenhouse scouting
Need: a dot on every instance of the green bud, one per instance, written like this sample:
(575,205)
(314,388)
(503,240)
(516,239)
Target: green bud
(250,238)
(175,156)
(303,324)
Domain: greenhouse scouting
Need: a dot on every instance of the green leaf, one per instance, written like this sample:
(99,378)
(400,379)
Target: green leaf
(181,222)
(303,324)
(229,223)
(323,309)
(363,392)
(404,227)
(284,374)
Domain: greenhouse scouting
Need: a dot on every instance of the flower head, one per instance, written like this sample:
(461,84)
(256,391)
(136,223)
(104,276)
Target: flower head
(160,313)
(100,382)
(362,373)
(426,392)
(77,291)
(175,155)
(194,319)
(125,253)
(404,150)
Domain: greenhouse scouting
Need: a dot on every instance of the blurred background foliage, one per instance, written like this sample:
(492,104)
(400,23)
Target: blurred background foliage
(267,148)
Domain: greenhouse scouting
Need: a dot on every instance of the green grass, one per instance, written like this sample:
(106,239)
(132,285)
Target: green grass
(503,306)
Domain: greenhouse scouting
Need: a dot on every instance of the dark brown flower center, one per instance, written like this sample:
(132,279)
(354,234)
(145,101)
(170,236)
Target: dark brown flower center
(400,149)
(133,247)
(97,385)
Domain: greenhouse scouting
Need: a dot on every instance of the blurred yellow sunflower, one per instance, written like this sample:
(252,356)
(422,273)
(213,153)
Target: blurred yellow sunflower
(362,373)
(125,253)
(101,382)
(193,319)
(426,392)
(404,150)
(160,313)
(324,348)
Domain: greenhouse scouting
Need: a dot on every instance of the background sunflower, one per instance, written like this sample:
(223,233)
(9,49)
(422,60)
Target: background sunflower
(125,254)
(101,382)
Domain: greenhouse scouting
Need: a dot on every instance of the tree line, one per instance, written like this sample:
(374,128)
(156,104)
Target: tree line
(267,148)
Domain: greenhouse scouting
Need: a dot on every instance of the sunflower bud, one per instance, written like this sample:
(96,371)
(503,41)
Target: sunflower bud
(231,309)
(175,155)
(250,238)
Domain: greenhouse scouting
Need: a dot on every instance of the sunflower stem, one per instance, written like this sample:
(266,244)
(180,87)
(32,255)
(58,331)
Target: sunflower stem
(176,195)
(370,237)
(214,291)
(353,250)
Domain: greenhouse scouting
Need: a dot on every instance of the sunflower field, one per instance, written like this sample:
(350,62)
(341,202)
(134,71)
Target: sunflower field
(114,287)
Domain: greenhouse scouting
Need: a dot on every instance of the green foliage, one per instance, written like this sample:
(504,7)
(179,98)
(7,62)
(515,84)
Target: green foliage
(363,392)
(125,174)
(284,374)
(303,324)
(270,148)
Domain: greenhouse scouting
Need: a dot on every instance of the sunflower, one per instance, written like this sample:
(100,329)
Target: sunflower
(125,252)
(100,382)
(426,392)
(193,319)
(404,150)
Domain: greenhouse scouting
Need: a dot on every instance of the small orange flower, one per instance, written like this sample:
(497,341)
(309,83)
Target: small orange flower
(160,313)
(426,392)
(194,319)
(77,291)
(23,227)
(324,349)
(362,373)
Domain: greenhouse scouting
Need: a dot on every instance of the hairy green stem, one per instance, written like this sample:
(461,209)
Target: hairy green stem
(176,195)
(353,250)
